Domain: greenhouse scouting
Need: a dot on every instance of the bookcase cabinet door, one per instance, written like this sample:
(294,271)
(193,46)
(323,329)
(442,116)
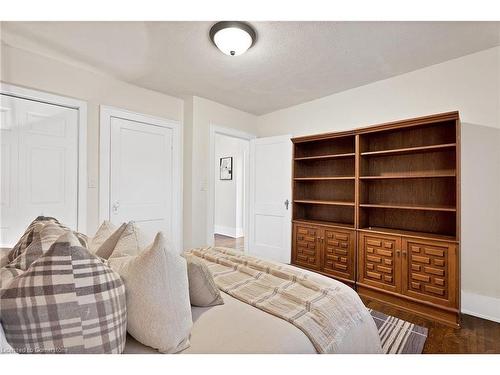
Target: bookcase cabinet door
(339,253)
(307,246)
(429,271)
(380,261)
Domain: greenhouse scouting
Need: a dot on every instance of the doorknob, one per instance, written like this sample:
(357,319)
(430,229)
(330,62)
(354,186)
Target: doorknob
(287,202)
(116,205)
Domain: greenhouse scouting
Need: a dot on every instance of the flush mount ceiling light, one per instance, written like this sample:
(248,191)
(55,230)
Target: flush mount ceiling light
(232,37)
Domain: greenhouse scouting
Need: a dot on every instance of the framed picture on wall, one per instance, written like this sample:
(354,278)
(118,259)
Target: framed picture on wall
(226,168)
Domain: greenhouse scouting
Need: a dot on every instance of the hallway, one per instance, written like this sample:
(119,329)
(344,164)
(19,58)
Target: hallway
(225,241)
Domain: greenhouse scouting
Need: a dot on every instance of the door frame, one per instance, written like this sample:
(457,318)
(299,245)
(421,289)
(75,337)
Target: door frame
(81,107)
(213,131)
(106,114)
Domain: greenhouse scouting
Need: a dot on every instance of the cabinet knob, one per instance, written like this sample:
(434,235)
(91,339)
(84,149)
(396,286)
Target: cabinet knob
(398,252)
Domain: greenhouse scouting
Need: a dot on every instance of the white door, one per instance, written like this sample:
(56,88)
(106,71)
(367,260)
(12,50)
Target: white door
(270,195)
(141,176)
(39,165)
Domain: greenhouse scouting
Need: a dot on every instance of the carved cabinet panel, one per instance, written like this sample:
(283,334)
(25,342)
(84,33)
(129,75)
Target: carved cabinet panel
(429,271)
(339,253)
(379,261)
(330,250)
(306,246)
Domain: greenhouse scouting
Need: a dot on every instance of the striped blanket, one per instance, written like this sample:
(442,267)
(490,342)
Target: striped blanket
(325,311)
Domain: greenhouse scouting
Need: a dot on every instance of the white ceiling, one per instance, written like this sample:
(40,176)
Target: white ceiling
(291,63)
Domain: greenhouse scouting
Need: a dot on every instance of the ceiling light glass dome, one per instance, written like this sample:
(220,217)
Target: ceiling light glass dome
(232,38)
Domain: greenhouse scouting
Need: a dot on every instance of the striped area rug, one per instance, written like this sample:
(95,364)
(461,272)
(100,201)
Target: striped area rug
(399,336)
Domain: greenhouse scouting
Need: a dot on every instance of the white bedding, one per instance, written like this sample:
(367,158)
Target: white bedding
(237,327)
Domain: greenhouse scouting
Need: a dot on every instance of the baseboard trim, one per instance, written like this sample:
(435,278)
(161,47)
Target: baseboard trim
(484,307)
(228,231)
(239,232)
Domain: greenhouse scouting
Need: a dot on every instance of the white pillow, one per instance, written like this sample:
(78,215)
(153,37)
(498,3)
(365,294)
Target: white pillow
(157,291)
(132,240)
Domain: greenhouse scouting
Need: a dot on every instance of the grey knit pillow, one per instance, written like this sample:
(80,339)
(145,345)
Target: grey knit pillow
(106,238)
(68,301)
(202,289)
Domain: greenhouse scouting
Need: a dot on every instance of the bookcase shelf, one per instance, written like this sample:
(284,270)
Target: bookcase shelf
(424,137)
(324,168)
(325,223)
(410,150)
(332,156)
(410,175)
(330,203)
(331,178)
(408,207)
(336,147)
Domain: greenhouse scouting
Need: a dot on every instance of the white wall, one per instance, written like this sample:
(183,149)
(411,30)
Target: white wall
(206,112)
(470,84)
(24,68)
(229,194)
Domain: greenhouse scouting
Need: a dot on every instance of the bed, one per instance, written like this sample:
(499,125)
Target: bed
(237,327)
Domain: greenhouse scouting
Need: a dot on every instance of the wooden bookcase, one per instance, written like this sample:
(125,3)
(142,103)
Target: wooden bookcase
(378,208)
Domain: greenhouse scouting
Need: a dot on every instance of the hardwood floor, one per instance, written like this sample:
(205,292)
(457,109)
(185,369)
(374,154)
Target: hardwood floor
(476,336)
(225,241)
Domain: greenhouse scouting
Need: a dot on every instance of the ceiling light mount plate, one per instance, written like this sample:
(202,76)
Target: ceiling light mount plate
(233,38)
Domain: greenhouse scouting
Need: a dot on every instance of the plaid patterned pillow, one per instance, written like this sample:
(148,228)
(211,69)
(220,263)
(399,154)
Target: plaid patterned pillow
(41,239)
(68,301)
(27,237)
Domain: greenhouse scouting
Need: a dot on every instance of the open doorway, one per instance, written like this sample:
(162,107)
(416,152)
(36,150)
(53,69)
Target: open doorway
(229,206)
(228,190)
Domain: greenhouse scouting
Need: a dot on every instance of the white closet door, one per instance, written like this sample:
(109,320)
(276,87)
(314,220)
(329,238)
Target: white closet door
(141,176)
(39,164)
